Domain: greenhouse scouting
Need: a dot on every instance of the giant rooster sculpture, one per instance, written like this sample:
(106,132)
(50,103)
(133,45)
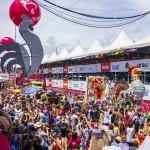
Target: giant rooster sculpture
(135,89)
(19,54)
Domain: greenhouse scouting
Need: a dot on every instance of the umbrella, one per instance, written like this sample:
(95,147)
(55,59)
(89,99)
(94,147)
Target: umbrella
(32,90)
(53,93)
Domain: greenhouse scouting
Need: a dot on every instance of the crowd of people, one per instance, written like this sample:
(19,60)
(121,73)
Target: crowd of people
(68,122)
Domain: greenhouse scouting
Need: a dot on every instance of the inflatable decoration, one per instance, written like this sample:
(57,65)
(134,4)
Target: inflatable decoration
(24,7)
(19,54)
(6,40)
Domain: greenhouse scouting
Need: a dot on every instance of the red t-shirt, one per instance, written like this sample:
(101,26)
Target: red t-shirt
(76,143)
(4,144)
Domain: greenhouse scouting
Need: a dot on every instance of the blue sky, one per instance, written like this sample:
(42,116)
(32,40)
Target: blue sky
(65,34)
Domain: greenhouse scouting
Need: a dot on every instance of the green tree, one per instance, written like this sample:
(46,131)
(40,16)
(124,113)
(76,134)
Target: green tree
(127,65)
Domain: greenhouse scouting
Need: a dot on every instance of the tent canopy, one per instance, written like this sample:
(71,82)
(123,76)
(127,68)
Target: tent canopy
(45,58)
(77,52)
(64,53)
(120,42)
(52,57)
(31,90)
(95,48)
(141,43)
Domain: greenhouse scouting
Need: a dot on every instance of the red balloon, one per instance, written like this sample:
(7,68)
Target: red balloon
(5,40)
(26,7)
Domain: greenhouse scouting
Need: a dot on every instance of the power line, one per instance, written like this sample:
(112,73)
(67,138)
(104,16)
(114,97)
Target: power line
(93,16)
(92,9)
(90,25)
(83,18)
(56,16)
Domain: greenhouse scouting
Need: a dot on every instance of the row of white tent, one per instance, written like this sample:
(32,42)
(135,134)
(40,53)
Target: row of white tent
(121,42)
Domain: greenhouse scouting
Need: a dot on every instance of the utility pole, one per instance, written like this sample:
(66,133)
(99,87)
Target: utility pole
(15,34)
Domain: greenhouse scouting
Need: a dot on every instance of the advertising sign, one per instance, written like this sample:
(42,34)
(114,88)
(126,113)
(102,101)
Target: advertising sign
(65,69)
(60,70)
(147,93)
(90,68)
(122,66)
(5,76)
(105,67)
(97,67)
(50,70)
(65,84)
(12,76)
(72,69)
(54,70)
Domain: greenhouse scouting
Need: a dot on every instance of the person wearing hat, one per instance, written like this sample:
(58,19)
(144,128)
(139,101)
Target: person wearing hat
(63,126)
(124,145)
(117,141)
(42,134)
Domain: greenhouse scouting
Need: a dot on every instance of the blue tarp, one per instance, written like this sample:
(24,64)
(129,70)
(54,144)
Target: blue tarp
(31,90)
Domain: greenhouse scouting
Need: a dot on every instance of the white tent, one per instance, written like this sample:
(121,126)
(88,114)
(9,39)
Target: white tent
(145,145)
(64,53)
(77,52)
(141,43)
(45,58)
(120,42)
(96,48)
(52,57)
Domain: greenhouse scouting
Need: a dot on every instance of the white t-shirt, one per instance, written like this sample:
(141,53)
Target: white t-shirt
(71,100)
(18,113)
(106,117)
(72,118)
(130,135)
(130,113)
(43,138)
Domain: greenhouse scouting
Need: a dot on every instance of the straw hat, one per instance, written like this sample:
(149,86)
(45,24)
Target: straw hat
(37,124)
(40,102)
(118,138)
(63,120)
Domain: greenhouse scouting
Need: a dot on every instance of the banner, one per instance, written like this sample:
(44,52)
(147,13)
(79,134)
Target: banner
(147,93)
(57,70)
(60,70)
(97,67)
(65,84)
(57,83)
(5,76)
(46,71)
(85,68)
(12,76)
(69,84)
(90,68)
(122,66)
(105,67)
(72,69)
(25,81)
(54,70)
(77,85)
(81,69)
(50,70)
(65,70)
